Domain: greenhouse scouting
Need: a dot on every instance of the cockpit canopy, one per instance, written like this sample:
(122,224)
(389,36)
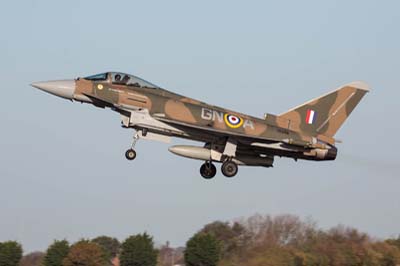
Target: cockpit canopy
(122,79)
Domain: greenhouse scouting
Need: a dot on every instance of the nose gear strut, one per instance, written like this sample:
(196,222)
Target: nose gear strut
(131,153)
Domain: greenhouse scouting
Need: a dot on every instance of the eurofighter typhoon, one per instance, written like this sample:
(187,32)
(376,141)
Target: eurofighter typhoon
(305,132)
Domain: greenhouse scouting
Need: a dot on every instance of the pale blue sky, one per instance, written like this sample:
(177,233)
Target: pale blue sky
(62,168)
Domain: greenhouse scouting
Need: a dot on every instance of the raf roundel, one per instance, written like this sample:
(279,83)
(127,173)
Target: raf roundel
(233,121)
(100,87)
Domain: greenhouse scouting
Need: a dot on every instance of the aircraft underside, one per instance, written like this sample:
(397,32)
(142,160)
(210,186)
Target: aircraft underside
(231,152)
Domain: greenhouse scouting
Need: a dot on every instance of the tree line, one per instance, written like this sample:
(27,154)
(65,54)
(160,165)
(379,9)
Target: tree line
(260,240)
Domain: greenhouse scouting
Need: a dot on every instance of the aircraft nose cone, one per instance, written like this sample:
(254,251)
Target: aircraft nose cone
(61,88)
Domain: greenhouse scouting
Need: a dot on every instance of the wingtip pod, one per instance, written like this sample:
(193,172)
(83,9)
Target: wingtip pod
(361,85)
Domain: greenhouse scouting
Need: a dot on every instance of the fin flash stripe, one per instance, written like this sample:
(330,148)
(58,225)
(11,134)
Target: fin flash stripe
(310,118)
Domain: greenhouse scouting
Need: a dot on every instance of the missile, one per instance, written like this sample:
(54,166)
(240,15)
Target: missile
(204,154)
(192,152)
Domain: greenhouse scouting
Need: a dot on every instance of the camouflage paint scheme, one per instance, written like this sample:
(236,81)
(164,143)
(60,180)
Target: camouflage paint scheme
(287,135)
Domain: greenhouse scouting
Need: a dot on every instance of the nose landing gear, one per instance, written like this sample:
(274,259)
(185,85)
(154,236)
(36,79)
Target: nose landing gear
(131,153)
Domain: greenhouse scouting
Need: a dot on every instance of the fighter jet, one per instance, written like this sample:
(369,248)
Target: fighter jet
(305,132)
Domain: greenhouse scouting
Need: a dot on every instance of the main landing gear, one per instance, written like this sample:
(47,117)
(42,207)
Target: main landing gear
(131,153)
(208,170)
(228,169)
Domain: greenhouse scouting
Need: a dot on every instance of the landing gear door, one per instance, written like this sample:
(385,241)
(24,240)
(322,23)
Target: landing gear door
(125,120)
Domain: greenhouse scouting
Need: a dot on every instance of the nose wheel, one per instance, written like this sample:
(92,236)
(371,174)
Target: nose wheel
(208,170)
(130,154)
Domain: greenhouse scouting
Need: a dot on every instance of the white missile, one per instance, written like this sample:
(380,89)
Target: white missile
(204,154)
(192,152)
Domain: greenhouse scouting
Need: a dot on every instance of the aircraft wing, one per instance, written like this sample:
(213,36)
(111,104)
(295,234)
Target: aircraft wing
(253,144)
(202,130)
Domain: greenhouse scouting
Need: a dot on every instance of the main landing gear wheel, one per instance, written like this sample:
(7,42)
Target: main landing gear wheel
(208,170)
(130,154)
(229,169)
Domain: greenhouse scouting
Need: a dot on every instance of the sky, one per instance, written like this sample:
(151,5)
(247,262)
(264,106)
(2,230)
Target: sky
(63,173)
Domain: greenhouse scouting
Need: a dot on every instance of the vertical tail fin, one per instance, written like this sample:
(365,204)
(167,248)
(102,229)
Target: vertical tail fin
(326,114)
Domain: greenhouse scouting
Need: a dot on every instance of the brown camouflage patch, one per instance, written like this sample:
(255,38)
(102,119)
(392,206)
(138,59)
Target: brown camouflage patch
(177,110)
